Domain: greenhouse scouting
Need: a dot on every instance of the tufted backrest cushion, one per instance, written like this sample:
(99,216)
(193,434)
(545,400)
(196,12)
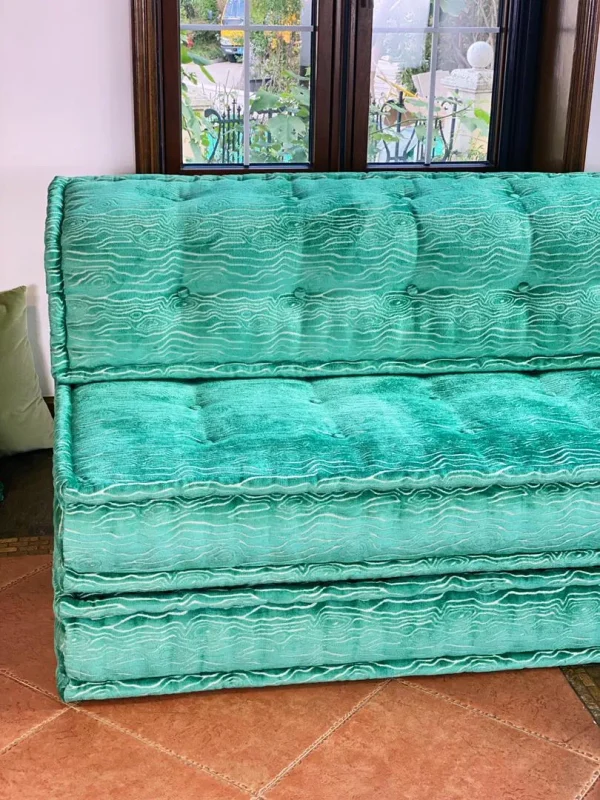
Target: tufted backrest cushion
(322,275)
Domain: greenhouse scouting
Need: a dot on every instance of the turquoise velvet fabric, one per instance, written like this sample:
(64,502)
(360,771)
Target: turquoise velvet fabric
(323,427)
(73,690)
(159,439)
(300,275)
(228,474)
(136,638)
(235,536)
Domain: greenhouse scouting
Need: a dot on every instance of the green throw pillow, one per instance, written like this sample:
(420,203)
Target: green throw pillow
(25,421)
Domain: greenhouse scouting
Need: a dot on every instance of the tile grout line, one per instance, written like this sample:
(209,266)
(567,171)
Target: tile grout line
(588,786)
(27,575)
(319,741)
(148,742)
(32,731)
(583,730)
(8,674)
(474,710)
(165,750)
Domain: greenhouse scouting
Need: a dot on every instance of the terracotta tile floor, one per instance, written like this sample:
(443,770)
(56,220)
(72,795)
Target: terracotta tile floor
(503,736)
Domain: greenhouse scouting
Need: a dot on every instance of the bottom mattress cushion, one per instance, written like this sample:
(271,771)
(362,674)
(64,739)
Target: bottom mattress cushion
(111,646)
(220,481)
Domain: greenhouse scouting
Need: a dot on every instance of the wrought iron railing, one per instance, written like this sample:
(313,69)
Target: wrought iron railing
(403,139)
(227,146)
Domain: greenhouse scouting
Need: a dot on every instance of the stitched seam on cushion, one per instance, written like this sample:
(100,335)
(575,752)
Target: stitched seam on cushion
(53,236)
(63,454)
(334,176)
(587,787)
(443,565)
(27,575)
(326,369)
(32,731)
(319,741)
(488,715)
(296,484)
(71,436)
(166,750)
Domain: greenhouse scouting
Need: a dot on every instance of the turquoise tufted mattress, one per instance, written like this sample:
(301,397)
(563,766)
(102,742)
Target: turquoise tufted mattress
(236,475)
(323,427)
(298,276)
(141,644)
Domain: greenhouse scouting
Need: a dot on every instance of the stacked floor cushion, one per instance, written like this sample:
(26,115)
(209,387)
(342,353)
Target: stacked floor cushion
(323,427)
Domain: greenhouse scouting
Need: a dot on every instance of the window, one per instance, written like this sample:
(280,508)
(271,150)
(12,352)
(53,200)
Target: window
(432,80)
(246,81)
(253,85)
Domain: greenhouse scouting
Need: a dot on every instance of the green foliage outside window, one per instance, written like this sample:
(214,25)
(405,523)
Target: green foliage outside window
(280,88)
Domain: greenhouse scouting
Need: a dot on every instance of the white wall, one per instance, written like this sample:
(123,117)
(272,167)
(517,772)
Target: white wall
(593,151)
(65,109)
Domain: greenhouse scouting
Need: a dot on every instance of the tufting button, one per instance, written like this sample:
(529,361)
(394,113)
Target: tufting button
(181,298)
(523,287)
(315,400)
(338,435)
(300,293)
(412,290)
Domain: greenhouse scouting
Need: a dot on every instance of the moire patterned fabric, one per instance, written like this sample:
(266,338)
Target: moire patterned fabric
(141,644)
(323,427)
(297,276)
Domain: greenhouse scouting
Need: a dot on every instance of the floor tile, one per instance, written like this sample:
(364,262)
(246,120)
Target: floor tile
(540,700)
(27,630)
(13,568)
(408,745)
(587,740)
(21,709)
(78,758)
(249,735)
(594,792)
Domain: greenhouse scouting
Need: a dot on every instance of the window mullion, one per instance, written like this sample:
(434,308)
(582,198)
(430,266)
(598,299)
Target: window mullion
(246,122)
(433,29)
(210,27)
(435,38)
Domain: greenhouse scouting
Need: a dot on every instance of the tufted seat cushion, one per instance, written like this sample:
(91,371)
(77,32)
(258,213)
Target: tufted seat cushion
(231,475)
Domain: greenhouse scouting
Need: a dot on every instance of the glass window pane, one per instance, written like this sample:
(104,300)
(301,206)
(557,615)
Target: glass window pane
(246,94)
(281,12)
(400,83)
(201,11)
(470,13)
(402,13)
(280,98)
(213,97)
(464,102)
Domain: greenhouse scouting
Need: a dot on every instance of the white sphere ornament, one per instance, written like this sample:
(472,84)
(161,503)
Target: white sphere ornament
(480,55)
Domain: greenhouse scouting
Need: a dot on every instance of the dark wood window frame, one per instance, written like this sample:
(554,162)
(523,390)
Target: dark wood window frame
(321,106)
(516,56)
(535,64)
